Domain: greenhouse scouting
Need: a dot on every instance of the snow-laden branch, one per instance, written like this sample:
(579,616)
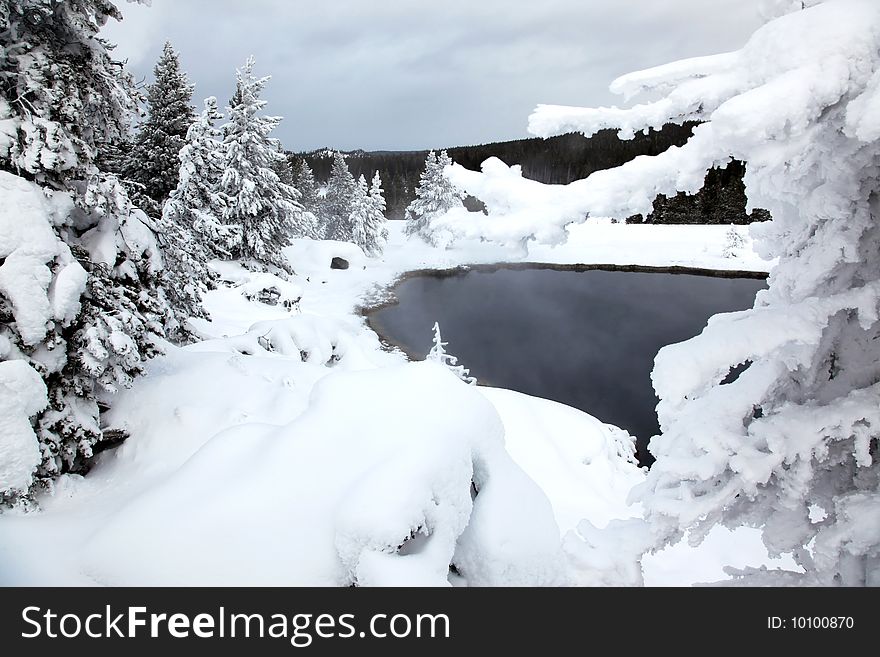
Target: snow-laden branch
(753,102)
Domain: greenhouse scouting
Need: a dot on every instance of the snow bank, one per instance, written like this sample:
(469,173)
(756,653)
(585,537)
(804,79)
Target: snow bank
(310,502)
(250,283)
(585,467)
(307,338)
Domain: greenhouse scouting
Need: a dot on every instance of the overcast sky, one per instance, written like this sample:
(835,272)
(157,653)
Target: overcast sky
(410,74)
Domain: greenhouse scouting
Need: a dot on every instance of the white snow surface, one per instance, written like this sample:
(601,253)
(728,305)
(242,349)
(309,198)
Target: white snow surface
(288,447)
(312,504)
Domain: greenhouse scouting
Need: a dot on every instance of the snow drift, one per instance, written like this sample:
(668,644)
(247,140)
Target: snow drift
(380,494)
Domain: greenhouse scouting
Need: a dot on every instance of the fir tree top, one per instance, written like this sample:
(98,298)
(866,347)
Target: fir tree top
(154,159)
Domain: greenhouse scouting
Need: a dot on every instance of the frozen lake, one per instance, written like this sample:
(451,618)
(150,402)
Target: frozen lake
(583,338)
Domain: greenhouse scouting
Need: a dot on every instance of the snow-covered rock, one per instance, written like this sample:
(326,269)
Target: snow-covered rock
(314,257)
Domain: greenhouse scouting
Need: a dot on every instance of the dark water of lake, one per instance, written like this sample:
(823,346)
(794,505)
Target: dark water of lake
(583,338)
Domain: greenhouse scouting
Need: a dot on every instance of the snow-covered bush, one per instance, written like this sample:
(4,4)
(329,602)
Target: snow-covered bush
(79,300)
(438,355)
(798,429)
(435,196)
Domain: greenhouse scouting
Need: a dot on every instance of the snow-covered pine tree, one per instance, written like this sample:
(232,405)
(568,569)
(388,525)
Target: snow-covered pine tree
(359,214)
(191,230)
(266,210)
(438,355)
(377,224)
(304,181)
(733,243)
(435,196)
(336,204)
(153,161)
(79,305)
(196,202)
(792,446)
(283,168)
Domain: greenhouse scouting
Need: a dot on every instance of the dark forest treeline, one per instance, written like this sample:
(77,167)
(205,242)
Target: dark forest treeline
(559,160)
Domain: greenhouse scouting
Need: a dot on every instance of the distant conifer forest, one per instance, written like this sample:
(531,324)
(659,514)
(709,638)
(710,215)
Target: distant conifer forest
(560,160)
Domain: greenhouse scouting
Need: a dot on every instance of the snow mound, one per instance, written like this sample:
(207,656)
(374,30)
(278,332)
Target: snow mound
(190,395)
(309,257)
(308,338)
(310,503)
(585,467)
(251,283)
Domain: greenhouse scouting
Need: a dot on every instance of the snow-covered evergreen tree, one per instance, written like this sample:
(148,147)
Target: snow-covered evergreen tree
(367,216)
(435,196)
(733,243)
(153,161)
(361,207)
(79,302)
(196,203)
(192,231)
(377,224)
(438,355)
(795,437)
(283,168)
(304,181)
(266,210)
(336,205)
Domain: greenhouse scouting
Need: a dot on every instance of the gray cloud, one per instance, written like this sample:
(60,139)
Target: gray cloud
(404,74)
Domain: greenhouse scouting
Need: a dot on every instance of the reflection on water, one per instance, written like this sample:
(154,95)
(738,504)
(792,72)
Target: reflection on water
(586,339)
